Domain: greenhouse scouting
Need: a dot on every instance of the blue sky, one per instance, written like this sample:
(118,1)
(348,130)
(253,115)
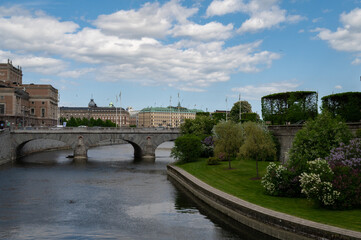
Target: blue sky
(205,50)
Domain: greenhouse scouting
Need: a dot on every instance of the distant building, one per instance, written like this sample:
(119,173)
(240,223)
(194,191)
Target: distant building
(25,104)
(133,116)
(165,116)
(93,111)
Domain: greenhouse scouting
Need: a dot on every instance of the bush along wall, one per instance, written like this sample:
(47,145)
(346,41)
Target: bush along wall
(347,105)
(292,107)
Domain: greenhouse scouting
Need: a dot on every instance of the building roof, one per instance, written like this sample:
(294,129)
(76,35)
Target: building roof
(170,109)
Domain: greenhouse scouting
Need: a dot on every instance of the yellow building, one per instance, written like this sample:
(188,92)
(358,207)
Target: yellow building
(165,116)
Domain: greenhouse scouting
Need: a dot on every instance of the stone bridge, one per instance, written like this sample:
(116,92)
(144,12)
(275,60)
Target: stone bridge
(144,141)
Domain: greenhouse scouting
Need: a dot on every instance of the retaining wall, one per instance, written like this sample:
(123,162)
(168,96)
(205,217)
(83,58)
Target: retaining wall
(272,223)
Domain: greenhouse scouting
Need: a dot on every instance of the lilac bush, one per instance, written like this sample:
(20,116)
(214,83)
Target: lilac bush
(346,155)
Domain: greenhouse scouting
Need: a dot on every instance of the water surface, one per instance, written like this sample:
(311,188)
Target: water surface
(110,197)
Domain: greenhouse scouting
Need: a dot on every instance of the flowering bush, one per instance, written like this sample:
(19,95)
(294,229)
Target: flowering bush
(316,185)
(345,162)
(346,155)
(280,180)
(207,147)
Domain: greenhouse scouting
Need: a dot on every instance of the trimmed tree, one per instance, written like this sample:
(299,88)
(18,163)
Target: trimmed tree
(292,107)
(346,105)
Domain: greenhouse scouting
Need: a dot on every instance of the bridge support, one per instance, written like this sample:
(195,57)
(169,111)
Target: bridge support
(80,151)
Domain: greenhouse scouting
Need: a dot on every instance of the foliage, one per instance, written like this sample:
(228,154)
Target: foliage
(187,148)
(76,122)
(316,139)
(346,155)
(253,117)
(258,144)
(228,138)
(290,107)
(200,126)
(316,185)
(219,116)
(245,108)
(358,133)
(207,147)
(346,105)
(213,161)
(207,114)
(281,180)
(345,161)
(238,183)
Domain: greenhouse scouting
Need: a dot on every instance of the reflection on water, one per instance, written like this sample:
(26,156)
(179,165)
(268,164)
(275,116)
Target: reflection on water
(110,197)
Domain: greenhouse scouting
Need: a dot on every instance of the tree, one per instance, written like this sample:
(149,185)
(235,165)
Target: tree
(228,139)
(258,144)
(200,126)
(187,148)
(317,138)
(245,108)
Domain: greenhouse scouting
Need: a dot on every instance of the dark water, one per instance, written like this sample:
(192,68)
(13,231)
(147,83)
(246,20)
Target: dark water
(110,197)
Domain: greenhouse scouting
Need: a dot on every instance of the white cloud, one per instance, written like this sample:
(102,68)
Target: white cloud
(152,20)
(357,61)
(209,31)
(222,7)
(338,87)
(253,92)
(192,63)
(346,38)
(264,14)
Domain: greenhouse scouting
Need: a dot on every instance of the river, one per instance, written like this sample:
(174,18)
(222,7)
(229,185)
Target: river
(112,196)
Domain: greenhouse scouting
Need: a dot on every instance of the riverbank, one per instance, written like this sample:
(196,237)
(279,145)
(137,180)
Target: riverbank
(273,223)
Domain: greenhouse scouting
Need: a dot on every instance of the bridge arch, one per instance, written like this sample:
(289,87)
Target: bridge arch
(143,141)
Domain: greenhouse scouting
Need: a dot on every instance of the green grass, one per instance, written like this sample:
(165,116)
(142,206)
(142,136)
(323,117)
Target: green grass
(237,182)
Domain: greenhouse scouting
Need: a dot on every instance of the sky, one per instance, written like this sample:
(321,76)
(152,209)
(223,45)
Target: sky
(207,52)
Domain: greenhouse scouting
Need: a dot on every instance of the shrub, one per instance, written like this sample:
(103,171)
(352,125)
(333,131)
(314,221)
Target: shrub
(187,148)
(345,161)
(316,139)
(346,155)
(281,181)
(213,161)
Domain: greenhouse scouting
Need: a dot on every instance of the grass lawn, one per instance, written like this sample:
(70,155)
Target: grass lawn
(237,181)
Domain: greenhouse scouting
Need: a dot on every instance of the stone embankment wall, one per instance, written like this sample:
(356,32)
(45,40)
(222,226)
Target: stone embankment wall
(272,223)
(286,133)
(6,152)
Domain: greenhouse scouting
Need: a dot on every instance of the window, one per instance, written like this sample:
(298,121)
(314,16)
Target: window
(32,111)
(43,112)
(1,97)
(2,108)
(42,102)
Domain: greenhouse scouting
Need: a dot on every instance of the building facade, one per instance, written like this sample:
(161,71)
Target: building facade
(165,116)
(93,111)
(25,104)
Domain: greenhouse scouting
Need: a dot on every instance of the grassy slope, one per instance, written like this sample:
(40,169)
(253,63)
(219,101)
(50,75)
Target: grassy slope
(237,182)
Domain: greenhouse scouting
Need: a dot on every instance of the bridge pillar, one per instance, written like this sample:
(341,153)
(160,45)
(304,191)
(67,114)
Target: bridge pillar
(149,150)
(80,151)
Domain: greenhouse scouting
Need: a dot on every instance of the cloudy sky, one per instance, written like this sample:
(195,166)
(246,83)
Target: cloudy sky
(205,50)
